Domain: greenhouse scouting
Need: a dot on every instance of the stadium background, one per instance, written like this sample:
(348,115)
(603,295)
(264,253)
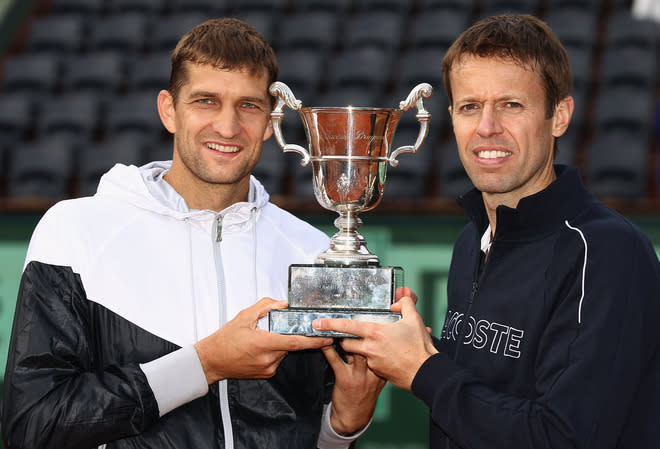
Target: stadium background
(77,88)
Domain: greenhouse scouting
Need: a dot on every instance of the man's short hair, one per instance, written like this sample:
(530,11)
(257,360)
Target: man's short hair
(526,40)
(227,44)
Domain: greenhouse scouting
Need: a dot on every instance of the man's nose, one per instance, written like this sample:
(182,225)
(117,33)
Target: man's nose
(227,122)
(489,123)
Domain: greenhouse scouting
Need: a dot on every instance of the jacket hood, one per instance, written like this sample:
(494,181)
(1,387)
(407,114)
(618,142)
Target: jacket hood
(145,188)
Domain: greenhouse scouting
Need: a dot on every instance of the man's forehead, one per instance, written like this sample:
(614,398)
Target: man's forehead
(196,73)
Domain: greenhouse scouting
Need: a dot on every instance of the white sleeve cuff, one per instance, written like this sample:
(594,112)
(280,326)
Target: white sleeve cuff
(329,439)
(176,378)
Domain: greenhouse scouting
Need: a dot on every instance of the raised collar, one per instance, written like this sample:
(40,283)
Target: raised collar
(536,215)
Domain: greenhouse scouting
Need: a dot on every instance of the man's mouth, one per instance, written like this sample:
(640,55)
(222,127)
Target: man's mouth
(223,148)
(493,154)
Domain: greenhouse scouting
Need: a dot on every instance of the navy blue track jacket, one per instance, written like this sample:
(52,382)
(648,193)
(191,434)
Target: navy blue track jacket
(553,342)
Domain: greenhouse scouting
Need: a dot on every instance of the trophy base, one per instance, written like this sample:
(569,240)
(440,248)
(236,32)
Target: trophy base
(299,321)
(362,293)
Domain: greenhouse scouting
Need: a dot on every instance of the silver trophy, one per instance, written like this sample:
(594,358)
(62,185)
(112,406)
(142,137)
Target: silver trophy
(349,149)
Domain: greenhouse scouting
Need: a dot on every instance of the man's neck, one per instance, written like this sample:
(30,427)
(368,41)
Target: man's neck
(204,196)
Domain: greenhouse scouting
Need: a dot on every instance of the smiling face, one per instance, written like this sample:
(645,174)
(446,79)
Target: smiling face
(505,140)
(219,121)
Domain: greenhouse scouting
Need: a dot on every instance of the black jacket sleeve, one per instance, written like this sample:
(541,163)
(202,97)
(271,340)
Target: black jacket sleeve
(58,390)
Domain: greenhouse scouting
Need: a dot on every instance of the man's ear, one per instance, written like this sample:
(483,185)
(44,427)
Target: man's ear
(166,110)
(562,117)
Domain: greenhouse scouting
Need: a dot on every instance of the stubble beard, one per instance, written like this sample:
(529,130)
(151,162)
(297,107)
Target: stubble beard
(215,174)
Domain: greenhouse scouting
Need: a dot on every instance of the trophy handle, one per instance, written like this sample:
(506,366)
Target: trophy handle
(285,98)
(423,116)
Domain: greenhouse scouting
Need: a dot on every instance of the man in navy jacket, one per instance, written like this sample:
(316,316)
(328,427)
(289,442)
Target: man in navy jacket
(551,337)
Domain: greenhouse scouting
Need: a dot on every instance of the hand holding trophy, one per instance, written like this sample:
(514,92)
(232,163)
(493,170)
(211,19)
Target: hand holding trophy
(349,149)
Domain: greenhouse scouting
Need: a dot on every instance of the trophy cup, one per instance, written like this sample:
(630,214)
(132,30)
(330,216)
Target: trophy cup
(349,149)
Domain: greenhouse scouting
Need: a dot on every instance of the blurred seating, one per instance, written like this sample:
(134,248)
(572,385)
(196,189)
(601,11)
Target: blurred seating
(90,71)
(617,164)
(585,5)
(167,30)
(437,29)
(466,6)
(16,117)
(41,169)
(95,73)
(149,73)
(62,35)
(274,7)
(302,70)
(314,30)
(211,8)
(575,27)
(380,29)
(134,114)
(409,179)
(337,6)
(125,34)
(146,7)
(420,66)
(100,157)
(624,30)
(74,116)
(401,8)
(635,116)
(85,8)
(33,74)
(492,7)
(629,66)
(271,168)
(365,68)
(567,145)
(453,180)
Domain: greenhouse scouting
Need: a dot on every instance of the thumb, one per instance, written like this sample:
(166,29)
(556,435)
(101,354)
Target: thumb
(407,305)
(265,305)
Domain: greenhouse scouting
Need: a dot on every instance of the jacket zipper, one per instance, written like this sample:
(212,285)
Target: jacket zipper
(477,276)
(466,315)
(218,229)
(223,395)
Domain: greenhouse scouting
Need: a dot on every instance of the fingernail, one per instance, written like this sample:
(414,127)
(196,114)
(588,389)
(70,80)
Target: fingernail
(316,324)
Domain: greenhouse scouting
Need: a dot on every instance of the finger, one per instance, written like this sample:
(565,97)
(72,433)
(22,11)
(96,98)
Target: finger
(397,306)
(353,346)
(401,292)
(358,328)
(332,356)
(298,342)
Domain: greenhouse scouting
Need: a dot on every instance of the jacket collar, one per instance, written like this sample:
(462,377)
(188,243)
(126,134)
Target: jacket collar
(536,215)
(146,188)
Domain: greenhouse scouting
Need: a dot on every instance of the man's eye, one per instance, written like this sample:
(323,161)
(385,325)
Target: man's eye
(469,107)
(249,105)
(513,104)
(205,101)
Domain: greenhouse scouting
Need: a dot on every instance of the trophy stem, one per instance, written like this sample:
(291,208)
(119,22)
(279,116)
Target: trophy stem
(348,247)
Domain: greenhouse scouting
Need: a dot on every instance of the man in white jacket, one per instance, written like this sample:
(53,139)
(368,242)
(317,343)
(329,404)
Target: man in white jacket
(139,321)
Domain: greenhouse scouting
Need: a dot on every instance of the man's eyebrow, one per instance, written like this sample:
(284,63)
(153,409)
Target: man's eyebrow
(209,94)
(259,100)
(202,93)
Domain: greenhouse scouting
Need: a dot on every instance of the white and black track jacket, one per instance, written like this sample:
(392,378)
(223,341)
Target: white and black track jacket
(115,291)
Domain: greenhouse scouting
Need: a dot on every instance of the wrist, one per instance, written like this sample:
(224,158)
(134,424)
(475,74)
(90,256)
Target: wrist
(347,424)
